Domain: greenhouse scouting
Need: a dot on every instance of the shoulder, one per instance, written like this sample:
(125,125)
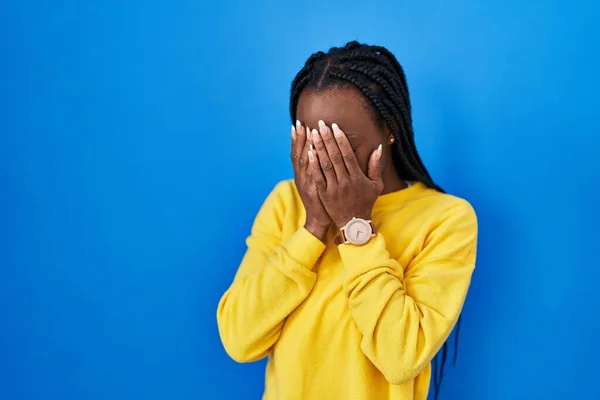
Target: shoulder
(282,197)
(447,207)
(284,192)
(449,226)
(285,188)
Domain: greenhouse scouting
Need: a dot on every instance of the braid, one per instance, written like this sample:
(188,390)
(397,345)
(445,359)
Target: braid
(296,90)
(394,62)
(378,75)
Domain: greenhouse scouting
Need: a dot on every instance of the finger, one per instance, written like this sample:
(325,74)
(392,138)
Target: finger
(333,151)
(346,151)
(315,171)
(293,149)
(303,160)
(298,143)
(323,157)
(309,142)
(375,168)
(308,136)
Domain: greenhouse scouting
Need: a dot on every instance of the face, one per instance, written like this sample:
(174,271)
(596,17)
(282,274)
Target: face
(345,107)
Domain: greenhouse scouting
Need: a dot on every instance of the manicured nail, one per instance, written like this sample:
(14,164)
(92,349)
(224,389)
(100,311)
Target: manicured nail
(316,136)
(310,155)
(336,130)
(310,148)
(321,124)
(379,149)
(298,125)
(293,132)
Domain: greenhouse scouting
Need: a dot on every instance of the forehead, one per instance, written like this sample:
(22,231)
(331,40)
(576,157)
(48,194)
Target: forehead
(344,107)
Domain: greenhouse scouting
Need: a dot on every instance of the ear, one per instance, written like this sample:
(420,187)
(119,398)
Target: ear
(389,136)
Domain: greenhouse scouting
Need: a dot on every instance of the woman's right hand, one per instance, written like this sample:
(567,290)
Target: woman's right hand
(317,219)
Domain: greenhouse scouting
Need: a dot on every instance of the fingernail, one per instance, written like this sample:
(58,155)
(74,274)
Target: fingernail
(310,155)
(293,132)
(379,150)
(310,147)
(298,124)
(315,135)
(336,130)
(321,124)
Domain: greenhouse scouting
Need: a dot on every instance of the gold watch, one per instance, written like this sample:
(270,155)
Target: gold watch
(357,232)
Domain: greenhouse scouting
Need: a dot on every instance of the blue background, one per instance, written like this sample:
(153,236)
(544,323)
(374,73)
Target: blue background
(129,127)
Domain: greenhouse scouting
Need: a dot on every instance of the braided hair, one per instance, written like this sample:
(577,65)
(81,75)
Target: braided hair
(376,73)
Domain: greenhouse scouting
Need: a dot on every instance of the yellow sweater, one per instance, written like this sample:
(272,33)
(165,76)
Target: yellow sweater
(350,322)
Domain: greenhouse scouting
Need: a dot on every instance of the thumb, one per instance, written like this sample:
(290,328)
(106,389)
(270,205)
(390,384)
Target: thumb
(375,168)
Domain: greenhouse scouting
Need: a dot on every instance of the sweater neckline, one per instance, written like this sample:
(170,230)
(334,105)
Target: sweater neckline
(399,196)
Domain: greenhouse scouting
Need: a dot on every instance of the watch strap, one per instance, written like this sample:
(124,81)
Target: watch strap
(340,238)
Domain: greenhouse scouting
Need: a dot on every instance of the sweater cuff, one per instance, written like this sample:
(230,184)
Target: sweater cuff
(358,260)
(304,248)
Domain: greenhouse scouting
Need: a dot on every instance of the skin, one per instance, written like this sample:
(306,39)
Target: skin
(345,172)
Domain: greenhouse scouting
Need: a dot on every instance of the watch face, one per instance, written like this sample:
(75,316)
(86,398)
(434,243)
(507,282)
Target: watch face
(358,231)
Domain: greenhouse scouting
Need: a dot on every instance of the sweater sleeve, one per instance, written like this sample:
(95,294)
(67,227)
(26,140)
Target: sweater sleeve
(275,276)
(405,317)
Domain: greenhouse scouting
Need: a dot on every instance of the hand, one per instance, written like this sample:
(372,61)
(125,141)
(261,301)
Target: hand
(345,191)
(317,219)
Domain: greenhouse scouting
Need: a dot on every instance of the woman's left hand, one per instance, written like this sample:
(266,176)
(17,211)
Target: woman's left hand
(345,191)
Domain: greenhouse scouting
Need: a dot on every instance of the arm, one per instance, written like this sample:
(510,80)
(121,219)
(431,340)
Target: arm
(272,280)
(406,317)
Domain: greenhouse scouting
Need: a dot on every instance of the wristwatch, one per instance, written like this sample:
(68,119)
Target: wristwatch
(357,232)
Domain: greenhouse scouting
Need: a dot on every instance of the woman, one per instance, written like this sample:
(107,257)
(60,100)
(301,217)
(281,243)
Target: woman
(356,271)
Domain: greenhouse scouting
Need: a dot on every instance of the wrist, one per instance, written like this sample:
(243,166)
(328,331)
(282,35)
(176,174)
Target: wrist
(342,222)
(317,230)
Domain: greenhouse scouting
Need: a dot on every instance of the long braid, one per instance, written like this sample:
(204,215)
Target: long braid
(400,72)
(378,75)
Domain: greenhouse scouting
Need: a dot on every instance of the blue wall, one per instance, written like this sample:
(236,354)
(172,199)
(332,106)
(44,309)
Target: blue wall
(124,126)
